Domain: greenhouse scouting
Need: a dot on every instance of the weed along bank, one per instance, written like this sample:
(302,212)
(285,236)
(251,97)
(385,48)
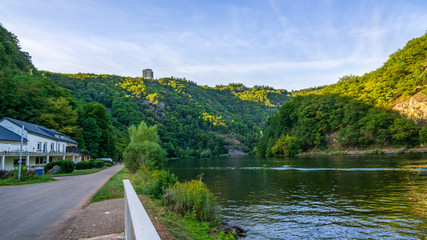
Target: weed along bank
(40,145)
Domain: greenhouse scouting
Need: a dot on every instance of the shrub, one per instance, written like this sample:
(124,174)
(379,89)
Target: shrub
(51,165)
(423,135)
(148,154)
(67,166)
(98,164)
(192,198)
(4,174)
(83,165)
(91,163)
(155,182)
(206,153)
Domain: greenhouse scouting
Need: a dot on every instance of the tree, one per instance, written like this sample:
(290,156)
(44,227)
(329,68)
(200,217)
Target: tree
(423,135)
(91,135)
(104,145)
(143,149)
(405,132)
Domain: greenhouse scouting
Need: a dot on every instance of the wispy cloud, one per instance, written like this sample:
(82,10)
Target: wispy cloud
(285,44)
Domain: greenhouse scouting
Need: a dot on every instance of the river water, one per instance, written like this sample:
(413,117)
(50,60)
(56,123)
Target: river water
(375,197)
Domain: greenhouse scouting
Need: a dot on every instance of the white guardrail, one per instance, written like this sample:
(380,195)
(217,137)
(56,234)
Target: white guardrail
(138,225)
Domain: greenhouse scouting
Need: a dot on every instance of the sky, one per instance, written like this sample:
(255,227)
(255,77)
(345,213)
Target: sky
(285,44)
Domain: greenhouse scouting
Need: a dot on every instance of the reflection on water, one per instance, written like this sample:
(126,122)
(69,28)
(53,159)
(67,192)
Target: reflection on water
(323,197)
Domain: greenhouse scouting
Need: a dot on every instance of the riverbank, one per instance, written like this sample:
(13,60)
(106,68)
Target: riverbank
(169,223)
(378,151)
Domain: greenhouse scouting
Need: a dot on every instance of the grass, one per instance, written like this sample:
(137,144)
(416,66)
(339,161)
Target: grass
(113,188)
(24,180)
(180,227)
(78,172)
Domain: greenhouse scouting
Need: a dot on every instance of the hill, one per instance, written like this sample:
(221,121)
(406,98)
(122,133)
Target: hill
(192,120)
(26,95)
(96,110)
(386,107)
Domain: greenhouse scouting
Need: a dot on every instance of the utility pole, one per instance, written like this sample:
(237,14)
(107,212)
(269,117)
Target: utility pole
(20,154)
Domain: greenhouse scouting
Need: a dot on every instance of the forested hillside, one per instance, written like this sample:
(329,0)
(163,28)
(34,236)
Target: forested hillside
(26,95)
(192,120)
(96,110)
(386,107)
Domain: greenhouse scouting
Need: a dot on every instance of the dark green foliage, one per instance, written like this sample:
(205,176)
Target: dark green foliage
(405,132)
(423,135)
(4,174)
(98,164)
(190,118)
(83,165)
(98,131)
(318,122)
(50,165)
(26,95)
(11,55)
(354,113)
(67,166)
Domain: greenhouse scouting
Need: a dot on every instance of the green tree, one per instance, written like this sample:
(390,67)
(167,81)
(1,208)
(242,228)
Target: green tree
(143,149)
(405,132)
(423,135)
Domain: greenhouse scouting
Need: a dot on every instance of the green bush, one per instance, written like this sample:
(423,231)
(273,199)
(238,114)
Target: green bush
(155,182)
(51,165)
(206,153)
(192,198)
(83,165)
(91,163)
(67,166)
(98,164)
(423,135)
(5,174)
(147,153)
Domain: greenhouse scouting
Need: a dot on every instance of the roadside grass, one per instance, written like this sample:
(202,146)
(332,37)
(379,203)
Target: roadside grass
(113,188)
(26,180)
(78,172)
(180,227)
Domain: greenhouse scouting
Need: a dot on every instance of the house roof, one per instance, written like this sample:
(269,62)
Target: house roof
(40,130)
(7,135)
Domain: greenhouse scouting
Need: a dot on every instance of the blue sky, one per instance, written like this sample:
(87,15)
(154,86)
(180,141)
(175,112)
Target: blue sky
(284,44)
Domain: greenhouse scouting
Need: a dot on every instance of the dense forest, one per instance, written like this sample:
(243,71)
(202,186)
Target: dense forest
(96,110)
(383,108)
(26,95)
(193,120)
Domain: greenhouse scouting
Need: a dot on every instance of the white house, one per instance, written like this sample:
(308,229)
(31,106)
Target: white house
(40,145)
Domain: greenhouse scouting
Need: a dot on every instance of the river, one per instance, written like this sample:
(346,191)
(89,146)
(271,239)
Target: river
(340,197)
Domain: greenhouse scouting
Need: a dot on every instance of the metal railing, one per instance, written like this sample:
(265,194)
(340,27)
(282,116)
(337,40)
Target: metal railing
(138,225)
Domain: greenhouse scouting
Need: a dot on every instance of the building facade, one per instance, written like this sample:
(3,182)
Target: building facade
(147,73)
(40,145)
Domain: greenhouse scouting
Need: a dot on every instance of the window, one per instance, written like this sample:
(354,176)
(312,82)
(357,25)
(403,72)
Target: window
(16,162)
(58,147)
(52,146)
(39,146)
(40,160)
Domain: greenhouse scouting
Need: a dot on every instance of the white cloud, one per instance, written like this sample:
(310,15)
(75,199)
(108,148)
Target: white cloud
(283,44)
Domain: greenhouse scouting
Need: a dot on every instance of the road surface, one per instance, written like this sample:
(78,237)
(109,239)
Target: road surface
(46,210)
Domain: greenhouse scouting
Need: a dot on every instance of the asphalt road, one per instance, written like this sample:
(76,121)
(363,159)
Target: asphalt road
(45,211)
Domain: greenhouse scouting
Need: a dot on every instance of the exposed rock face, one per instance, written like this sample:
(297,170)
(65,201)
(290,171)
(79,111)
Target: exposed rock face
(56,169)
(414,108)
